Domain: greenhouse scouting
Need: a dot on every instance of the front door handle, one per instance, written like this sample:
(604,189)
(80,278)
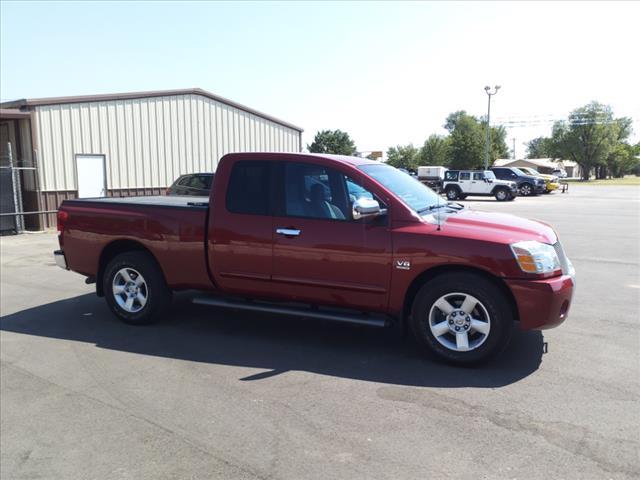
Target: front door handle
(288,232)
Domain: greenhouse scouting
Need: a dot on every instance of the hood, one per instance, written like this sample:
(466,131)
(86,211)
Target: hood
(497,227)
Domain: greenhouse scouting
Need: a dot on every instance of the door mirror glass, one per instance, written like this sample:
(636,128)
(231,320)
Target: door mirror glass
(365,207)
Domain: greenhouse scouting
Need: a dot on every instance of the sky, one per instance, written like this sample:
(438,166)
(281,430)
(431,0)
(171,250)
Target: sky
(387,73)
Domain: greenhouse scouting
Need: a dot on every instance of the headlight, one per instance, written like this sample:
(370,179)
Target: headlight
(536,257)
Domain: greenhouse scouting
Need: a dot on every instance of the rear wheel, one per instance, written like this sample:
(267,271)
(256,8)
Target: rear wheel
(453,193)
(135,288)
(502,194)
(462,318)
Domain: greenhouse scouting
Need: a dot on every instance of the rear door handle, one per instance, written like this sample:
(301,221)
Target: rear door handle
(288,232)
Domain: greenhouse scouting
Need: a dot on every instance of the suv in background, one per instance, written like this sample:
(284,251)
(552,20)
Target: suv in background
(527,184)
(197,184)
(458,184)
(551,181)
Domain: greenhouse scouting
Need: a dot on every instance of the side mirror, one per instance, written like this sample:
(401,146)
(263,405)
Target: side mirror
(365,207)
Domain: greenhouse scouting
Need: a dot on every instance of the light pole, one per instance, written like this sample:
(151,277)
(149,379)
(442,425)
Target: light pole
(488,141)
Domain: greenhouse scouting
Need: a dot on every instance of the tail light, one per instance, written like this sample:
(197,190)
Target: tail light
(62,219)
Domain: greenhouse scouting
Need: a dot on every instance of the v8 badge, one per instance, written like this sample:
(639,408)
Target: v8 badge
(403,264)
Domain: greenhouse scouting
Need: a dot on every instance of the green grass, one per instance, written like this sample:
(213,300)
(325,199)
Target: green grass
(628,180)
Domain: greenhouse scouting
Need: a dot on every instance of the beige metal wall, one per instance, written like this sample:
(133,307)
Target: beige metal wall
(149,142)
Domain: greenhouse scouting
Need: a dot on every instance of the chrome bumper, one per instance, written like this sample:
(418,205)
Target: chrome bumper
(58,255)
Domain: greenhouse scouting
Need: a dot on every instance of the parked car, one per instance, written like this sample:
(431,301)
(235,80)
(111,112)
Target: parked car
(389,252)
(527,184)
(198,184)
(459,184)
(432,177)
(560,173)
(551,181)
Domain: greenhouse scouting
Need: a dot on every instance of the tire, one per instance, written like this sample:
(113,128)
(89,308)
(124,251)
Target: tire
(512,197)
(486,336)
(502,194)
(526,190)
(143,294)
(453,193)
(462,197)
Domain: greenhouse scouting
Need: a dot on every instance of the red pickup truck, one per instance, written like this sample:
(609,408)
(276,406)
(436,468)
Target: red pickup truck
(323,236)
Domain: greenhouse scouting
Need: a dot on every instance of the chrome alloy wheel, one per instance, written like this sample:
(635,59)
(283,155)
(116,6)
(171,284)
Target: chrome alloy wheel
(129,290)
(526,190)
(459,321)
(501,194)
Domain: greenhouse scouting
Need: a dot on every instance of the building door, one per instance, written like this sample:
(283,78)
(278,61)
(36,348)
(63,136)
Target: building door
(91,176)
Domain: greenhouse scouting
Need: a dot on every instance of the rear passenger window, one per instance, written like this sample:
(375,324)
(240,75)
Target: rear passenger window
(477,176)
(248,190)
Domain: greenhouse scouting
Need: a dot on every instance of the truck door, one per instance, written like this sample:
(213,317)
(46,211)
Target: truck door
(320,254)
(240,240)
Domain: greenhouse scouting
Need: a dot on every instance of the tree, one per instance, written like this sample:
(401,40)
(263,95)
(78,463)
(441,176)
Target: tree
(467,141)
(589,137)
(498,147)
(540,147)
(336,142)
(435,151)
(403,157)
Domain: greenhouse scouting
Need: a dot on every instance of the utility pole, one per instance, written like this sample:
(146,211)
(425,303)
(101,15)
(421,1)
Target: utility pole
(514,147)
(488,141)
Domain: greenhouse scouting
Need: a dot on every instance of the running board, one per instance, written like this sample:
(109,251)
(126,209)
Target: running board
(372,320)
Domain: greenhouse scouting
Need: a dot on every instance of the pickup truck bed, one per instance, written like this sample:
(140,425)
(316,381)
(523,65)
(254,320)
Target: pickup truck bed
(156,201)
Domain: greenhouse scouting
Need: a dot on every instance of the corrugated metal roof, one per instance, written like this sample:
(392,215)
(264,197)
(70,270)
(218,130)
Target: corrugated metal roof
(34,102)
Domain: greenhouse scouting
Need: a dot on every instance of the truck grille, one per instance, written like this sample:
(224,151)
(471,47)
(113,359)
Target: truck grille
(564,264)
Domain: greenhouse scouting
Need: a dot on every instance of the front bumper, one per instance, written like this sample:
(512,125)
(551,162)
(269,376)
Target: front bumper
(543,303)
(540,187)
(60,259)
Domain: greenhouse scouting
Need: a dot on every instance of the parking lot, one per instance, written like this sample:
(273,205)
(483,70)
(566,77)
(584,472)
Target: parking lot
(215,394)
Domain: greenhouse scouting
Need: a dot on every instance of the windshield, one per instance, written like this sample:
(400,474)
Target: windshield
(488,174)
(518,171)
(414,194)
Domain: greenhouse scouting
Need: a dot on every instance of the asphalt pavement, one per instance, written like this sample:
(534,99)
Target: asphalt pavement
(210,393)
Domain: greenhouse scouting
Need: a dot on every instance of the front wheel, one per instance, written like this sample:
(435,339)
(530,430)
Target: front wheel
(502,195)
(526,190)
(135,289)
(462,318)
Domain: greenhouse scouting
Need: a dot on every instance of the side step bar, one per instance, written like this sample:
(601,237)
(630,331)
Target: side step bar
(360,319)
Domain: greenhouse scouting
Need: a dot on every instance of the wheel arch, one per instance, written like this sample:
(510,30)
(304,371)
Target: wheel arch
(434,272)
(114,248)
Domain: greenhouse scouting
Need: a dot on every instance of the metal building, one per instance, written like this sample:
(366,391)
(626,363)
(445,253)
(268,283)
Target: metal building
(125,144)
